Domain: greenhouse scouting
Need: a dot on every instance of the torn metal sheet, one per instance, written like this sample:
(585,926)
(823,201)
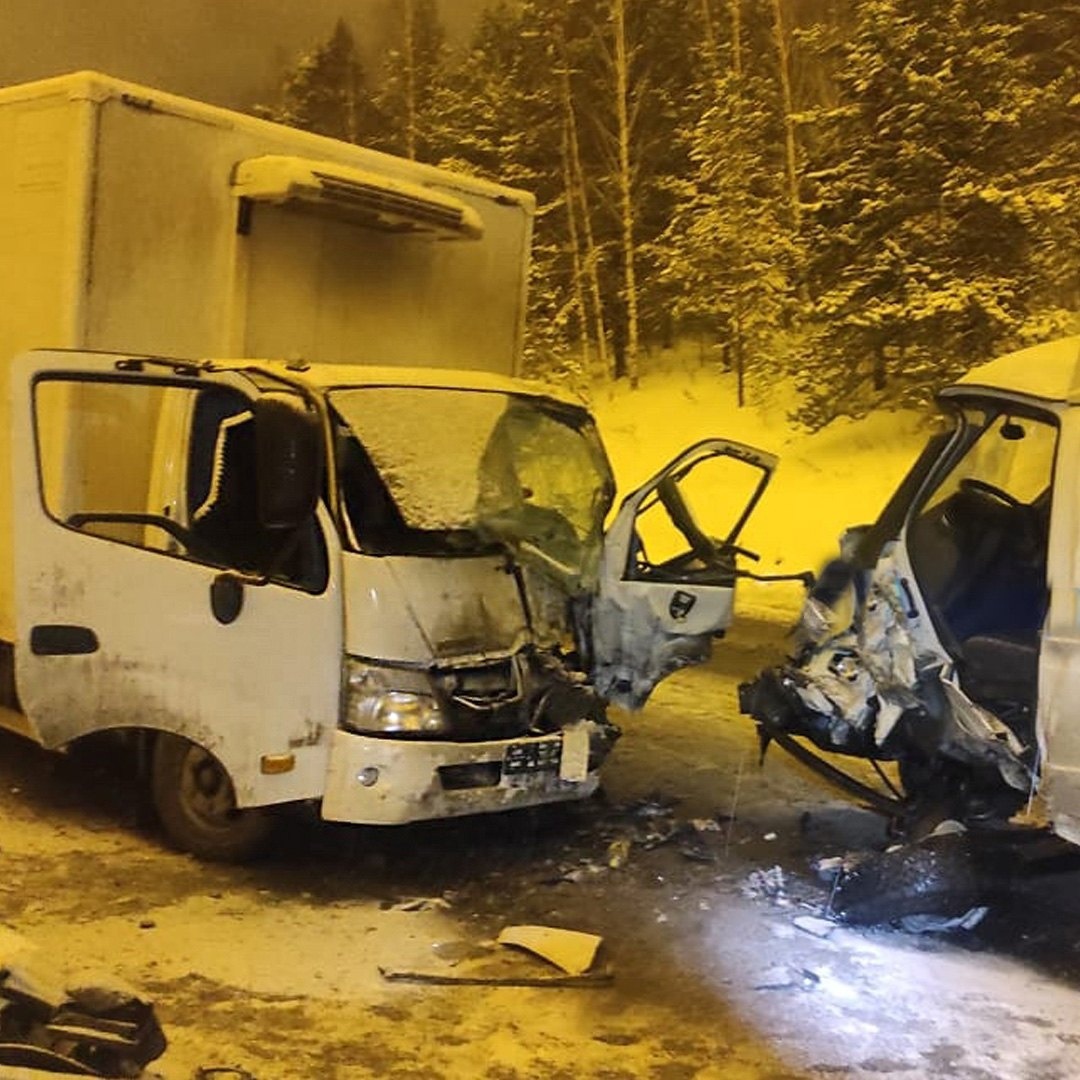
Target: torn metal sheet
(433,978)
(571,950)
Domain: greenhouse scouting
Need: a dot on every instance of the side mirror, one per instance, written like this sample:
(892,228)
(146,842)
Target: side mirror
(290,455)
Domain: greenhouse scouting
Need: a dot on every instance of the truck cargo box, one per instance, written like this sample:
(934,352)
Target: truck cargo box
(134,220)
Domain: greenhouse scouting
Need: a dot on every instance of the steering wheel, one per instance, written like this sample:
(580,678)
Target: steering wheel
(709,550)
(983,487)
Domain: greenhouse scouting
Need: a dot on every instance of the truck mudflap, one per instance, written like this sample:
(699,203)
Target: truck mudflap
(387,781)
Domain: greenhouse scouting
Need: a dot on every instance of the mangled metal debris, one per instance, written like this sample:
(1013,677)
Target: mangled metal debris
(767,884)
(93,1030)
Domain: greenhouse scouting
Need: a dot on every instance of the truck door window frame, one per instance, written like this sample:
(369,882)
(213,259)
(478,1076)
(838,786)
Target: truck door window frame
(928,522)
(305,567)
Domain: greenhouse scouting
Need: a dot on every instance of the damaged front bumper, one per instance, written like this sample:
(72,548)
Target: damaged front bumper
(775,699)
(383,781)
(859,685)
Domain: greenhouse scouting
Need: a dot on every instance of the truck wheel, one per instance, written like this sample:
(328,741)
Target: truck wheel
(196,804)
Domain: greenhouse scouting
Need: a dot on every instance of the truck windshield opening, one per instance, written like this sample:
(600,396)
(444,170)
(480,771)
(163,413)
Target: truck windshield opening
(428,470)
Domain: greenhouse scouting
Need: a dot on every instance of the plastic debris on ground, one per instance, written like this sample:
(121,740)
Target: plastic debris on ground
(572,951)
(618,853)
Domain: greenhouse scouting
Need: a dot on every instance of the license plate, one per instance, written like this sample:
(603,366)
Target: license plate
(532,757)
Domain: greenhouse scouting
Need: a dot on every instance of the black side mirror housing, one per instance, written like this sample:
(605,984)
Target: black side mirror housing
(291,458)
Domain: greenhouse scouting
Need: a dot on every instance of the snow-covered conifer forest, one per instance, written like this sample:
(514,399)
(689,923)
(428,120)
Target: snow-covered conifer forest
(860,197)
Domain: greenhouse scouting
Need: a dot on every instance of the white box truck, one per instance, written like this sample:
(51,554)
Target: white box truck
(364,567)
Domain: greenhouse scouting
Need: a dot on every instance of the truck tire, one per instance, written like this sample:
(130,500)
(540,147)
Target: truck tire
(196,804)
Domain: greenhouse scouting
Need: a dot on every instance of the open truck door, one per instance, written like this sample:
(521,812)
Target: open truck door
(155,592)
(667,573)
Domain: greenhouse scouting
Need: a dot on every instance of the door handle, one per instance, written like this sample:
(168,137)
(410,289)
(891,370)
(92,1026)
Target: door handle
(62,639)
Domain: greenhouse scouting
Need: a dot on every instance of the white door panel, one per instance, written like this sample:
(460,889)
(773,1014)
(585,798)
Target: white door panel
(667,575)
(1059,652)
(113,634)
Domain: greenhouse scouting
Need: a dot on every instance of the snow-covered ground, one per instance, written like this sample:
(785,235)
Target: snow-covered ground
(826,480)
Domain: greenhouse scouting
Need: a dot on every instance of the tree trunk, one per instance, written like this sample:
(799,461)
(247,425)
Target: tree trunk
(736,36)
(624,179)
(791,165)
(708,33)
(581,193)
(880,372)
(575,254)
(409,55)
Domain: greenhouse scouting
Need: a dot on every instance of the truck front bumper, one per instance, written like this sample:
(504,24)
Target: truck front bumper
(387,781)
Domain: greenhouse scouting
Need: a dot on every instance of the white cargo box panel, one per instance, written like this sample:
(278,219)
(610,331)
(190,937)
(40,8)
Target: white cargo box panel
(137,221)
(186,229)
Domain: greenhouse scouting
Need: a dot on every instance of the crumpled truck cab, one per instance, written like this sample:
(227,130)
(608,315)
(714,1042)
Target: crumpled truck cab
(388,591)
(946,638)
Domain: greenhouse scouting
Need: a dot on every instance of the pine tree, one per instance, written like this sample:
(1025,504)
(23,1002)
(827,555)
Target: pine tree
(730,247)
(920,260)
(327,93)
(411,79)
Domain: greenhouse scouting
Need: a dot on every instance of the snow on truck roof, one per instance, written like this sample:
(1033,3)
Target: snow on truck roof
(323,377)
(1050,371)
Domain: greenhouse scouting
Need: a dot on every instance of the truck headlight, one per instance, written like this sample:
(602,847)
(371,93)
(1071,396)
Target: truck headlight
(391,701)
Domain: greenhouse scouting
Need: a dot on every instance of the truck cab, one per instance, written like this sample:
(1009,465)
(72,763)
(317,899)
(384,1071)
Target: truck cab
(385,591)
(947,636)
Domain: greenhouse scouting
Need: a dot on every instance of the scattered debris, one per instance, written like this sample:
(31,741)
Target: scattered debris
(814,925)
(942,877)
(764,883)
(577,874)
(454,951)
(618,853)
(827,868)
(769,836)
(430,978)
(421,903)
(780,977)
(712,824)
(940,924)
(696,850)
(570,950)
(98,1030)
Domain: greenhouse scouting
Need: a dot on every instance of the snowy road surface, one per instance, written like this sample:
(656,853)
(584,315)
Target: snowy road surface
(274,968)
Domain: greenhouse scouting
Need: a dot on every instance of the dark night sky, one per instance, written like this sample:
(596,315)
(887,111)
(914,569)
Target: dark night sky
(230,52)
